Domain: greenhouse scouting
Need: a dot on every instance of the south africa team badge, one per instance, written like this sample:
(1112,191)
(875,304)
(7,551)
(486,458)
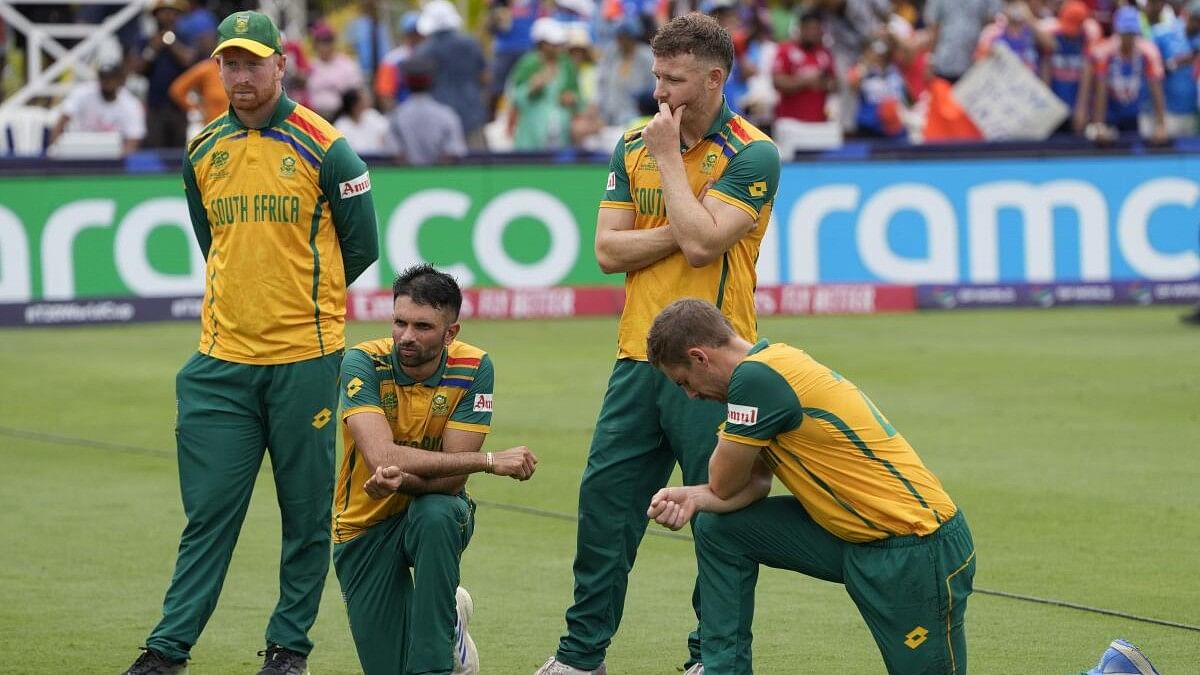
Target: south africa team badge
(440,405)
(288,167)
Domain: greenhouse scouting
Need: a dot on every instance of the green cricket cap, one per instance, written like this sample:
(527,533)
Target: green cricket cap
(252,31)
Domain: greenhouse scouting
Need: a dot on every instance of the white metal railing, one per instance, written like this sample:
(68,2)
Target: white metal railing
(45,38)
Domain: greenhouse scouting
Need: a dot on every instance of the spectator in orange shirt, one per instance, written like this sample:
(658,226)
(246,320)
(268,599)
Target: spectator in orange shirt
(203,80)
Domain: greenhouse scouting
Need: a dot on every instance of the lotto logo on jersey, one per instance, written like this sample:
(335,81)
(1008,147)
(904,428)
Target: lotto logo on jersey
(612,181)
(744,415)
(355,186)
(758,188)
(483,403)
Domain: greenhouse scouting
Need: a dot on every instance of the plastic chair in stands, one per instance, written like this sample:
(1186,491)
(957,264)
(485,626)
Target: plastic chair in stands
(26,131)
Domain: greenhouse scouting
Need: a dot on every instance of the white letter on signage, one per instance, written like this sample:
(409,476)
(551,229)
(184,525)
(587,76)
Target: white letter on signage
(1133,223)
(58,239)
(940,265)
(1036,204)
(804,224)
(404,228)
(129,250)
(15,284)
(547,209)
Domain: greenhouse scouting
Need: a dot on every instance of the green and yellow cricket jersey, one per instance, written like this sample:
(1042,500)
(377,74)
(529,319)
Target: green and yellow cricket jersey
(744,163)
(285,219)
(828,443)
(457,396)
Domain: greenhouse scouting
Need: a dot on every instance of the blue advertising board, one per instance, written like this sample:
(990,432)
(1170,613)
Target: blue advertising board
(987,221)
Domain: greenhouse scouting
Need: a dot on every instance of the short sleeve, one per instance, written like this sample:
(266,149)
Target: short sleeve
(358,386)
(616,190)
(474,411)
(72,104)
(752,177)
(761,406)
(780,66)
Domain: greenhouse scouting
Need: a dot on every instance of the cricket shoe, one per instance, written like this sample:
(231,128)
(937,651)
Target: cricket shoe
(1122,658)
(553,666)
(283,661)
(696,669)
(153,662)
(466,656)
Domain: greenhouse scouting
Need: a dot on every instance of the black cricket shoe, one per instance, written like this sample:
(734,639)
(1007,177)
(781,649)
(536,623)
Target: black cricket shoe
(153,662)
(283,661)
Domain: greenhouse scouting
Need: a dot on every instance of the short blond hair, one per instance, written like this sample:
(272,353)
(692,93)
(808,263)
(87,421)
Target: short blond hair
(684,324)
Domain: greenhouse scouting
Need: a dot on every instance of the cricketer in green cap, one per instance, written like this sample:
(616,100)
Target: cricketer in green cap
(252,31)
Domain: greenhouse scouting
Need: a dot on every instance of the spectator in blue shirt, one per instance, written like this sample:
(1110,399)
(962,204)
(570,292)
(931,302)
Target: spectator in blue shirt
(1179,80)
(461,70)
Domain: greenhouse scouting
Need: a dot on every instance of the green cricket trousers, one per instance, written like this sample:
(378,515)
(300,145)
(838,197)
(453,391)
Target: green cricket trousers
(398,579)
(647,424)
(228,414)
(912,591)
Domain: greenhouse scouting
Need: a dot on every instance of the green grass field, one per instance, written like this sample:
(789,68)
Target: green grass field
(1070,438)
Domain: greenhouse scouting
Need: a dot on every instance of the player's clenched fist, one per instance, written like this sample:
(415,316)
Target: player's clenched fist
(518,463)
(672,508)
(385,481)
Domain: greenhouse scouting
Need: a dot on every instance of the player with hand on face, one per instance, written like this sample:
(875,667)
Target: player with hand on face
(417,408)
(864,511)
(688,199)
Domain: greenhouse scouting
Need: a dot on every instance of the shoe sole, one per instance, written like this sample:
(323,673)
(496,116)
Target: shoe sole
(469,655)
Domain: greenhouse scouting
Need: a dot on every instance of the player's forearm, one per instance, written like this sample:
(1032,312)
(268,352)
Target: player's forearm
(1159,102)
(426,464)
(692,225)
(417,486)
(630,250)
(752,491)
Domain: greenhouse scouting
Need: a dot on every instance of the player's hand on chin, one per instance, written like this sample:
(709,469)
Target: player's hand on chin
(661,134)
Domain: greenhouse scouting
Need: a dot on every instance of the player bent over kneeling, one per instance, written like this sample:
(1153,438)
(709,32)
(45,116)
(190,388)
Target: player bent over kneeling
(864,511)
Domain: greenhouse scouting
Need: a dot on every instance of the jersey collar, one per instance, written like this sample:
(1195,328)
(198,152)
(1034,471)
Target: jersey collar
(723,116)
(283,108)
(404,380)
(758,346)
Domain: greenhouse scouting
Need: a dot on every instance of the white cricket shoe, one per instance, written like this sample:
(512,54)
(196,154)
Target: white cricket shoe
(697,669)
(553,666)
(466,656)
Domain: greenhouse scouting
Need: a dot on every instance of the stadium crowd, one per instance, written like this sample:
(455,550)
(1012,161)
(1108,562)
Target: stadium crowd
(547,75)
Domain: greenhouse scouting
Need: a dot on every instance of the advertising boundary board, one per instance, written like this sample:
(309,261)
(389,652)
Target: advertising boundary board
(938,222)
(566,301)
